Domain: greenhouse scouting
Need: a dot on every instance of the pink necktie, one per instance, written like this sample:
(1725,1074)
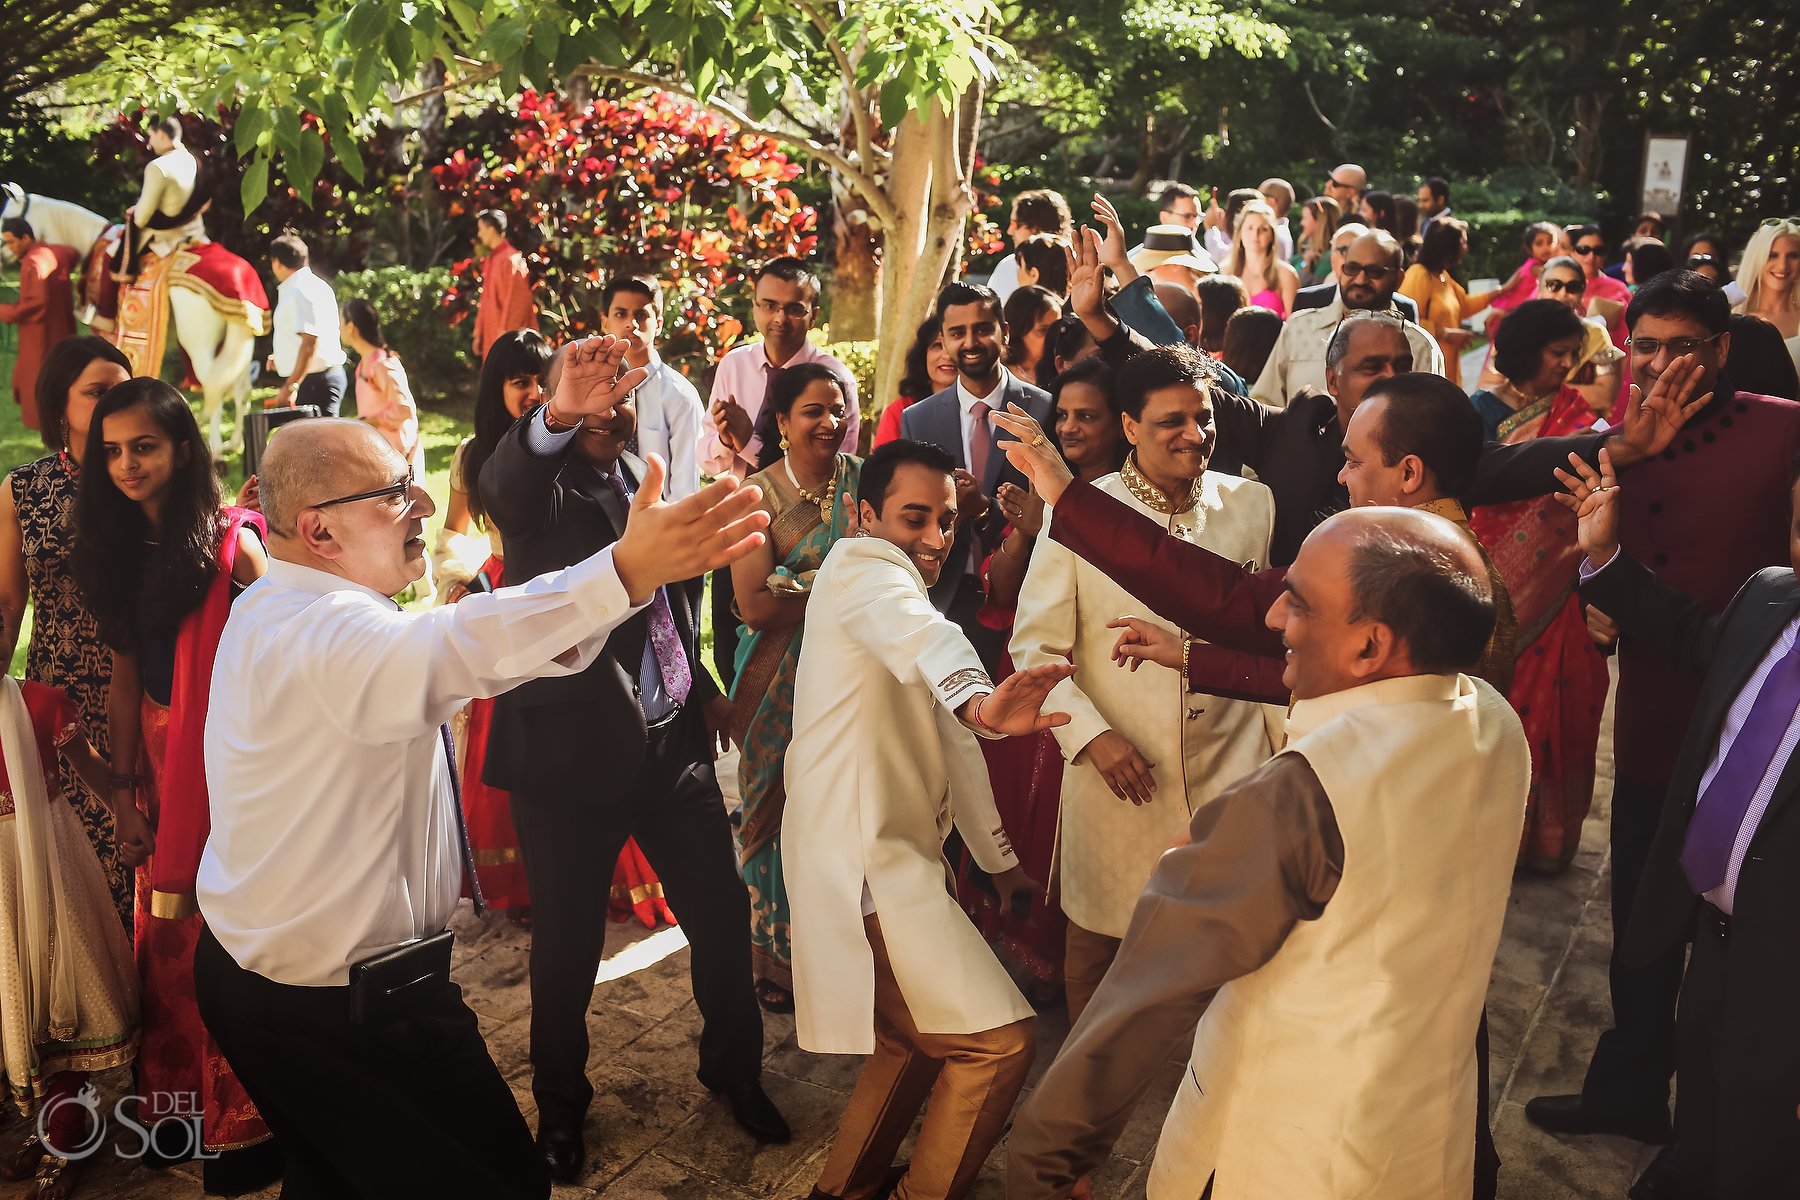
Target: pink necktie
(980,442)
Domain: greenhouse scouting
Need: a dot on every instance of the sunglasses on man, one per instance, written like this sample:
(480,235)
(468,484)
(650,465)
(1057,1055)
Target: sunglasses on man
(1572,287)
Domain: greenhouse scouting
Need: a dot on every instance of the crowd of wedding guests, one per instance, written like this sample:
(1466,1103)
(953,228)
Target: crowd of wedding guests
(1122,483)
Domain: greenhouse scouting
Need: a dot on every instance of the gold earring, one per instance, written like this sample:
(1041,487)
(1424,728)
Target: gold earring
(784,442)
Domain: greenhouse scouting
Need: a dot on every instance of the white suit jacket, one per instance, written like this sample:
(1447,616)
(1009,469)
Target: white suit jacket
(878,768)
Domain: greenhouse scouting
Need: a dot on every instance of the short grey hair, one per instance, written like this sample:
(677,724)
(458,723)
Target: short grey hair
(1563,260)
(1425,593)
(1339,345)
(282,480)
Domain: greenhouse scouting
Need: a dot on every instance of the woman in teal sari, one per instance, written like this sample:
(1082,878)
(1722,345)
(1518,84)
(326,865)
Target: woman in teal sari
(804,483)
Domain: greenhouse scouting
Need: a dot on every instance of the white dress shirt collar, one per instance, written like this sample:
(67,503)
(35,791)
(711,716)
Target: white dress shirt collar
(967,398)
(320,583)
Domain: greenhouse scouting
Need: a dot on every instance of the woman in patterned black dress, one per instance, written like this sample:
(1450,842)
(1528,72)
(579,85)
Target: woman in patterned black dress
(36,532)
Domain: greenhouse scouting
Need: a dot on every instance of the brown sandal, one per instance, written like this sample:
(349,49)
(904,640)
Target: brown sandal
(56,1178)
(24,1160)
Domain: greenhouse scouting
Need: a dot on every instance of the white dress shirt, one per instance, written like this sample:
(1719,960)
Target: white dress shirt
(1005,279)
(668,424)
(304,303)
(334,833)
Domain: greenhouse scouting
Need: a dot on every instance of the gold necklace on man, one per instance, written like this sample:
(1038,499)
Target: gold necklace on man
(821,495)
(1150,495)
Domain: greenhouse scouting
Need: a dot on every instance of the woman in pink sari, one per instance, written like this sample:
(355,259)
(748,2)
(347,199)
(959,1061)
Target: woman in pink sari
(1559,684)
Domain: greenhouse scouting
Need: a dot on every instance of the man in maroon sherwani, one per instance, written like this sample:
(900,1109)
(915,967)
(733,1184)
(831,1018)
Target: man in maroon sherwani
(45,311)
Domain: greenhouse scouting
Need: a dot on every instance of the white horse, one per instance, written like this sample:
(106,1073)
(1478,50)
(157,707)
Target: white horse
(219,350)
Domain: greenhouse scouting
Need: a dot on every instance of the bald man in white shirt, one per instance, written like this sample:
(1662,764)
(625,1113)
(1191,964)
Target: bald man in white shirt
(336,856)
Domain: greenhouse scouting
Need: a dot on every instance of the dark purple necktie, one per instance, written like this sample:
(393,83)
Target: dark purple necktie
(1719,815)
(671,660)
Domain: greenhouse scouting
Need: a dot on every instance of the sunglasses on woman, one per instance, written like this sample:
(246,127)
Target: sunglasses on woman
(1573,287)
(1590,248)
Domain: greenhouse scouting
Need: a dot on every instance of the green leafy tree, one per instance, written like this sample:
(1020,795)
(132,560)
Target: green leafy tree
(886,93)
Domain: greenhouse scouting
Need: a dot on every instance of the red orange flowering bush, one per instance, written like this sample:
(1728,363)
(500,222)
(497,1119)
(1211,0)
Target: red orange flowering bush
(652,185)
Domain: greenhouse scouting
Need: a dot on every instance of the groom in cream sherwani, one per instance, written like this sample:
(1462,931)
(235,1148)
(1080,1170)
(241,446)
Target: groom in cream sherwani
(1143,753)
(888,702)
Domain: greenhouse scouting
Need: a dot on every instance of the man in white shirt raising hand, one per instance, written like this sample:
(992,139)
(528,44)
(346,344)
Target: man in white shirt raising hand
(336,856)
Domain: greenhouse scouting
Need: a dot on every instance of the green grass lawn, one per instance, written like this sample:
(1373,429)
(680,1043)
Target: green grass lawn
(444,422)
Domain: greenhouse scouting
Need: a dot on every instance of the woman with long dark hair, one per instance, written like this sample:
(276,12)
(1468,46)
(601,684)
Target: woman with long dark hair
(1028,315)
(159,561)
(384,396)
(468,557)
(1443,304)
(37,504)
(804,481)
(1559,685)
(929,370)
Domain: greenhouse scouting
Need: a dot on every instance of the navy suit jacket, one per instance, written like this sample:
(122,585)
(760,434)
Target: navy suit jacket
(938,420)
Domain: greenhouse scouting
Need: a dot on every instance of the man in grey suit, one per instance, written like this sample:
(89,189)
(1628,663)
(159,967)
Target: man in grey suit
(959,420)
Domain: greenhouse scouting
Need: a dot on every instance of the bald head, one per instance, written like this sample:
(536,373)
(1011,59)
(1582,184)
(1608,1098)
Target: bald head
(1182,305)
(1351,174)
(1370,272)
(311,461)
(1422,577)
(1381,593)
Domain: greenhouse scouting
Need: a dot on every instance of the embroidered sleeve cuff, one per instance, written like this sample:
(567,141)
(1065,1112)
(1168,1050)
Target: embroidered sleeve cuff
(959,687)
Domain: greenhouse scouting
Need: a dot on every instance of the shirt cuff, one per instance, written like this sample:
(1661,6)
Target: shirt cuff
(597,590)
(541,440)
(1588,570)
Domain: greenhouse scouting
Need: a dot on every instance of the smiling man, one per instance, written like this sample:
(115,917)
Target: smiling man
(959,420)
(1140,759)
(622,750)
(1331,924)
(335,858)
(888,701)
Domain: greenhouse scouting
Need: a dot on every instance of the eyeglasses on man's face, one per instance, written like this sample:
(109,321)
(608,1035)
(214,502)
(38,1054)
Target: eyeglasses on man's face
(795,309)
(402,490)
(1375,271)
(1651,347)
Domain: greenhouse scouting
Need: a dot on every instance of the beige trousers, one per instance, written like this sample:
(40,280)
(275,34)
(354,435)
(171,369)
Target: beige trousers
(971,1080)
(1086,956)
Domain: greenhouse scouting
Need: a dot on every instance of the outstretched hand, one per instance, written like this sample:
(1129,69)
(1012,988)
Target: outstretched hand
(593,379)
(1114,251)
(1087,277)
(668,541)
(1013,708)
(1034,454)
(1142,641)
(1651,422)
(1594,499)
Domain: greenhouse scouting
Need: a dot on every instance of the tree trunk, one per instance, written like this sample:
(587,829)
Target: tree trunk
(855,298)
(932,199)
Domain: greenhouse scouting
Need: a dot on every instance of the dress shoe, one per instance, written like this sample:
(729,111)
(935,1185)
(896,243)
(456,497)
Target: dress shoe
(562,1149)
(752,1109)
(1664,1179)
(889,1182)
(1568,1114)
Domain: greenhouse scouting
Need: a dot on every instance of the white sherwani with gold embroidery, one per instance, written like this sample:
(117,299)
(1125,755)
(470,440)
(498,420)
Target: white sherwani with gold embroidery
(169,182)
(878,769)
(1196,745)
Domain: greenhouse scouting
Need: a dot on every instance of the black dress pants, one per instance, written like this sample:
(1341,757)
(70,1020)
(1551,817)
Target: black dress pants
(324,390)
(1634,1060)
(1735,1128)
(411,1107)
(725,628)
(570,840)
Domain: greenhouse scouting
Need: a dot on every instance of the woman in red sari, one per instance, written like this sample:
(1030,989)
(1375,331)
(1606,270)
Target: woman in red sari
(1559,684)
(469,557)
(159,561)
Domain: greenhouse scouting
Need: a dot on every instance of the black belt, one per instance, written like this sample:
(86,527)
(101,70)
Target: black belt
(1715,919)
(664,723)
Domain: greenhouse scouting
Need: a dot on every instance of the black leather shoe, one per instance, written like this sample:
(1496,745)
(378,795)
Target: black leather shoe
(1567,1114)
(1663,1179)
(754,1112)
(562,1149)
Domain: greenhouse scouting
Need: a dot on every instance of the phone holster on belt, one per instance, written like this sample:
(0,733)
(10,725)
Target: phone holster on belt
(388,985)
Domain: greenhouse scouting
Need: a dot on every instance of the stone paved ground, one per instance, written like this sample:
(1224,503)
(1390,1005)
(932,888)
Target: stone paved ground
(654,1134)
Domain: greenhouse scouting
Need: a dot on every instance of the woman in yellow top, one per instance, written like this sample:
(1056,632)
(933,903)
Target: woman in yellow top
(1443,304)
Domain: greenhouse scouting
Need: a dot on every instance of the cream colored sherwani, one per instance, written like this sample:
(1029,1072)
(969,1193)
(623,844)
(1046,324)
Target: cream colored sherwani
(878,769)
(1107,847)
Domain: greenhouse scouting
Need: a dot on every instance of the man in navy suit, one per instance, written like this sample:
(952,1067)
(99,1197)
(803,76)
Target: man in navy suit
(1724,869)
(959,420)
